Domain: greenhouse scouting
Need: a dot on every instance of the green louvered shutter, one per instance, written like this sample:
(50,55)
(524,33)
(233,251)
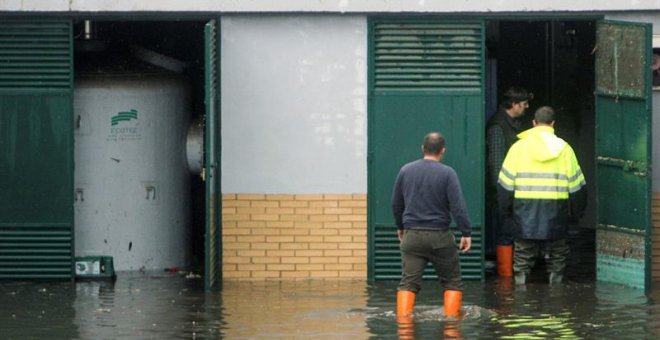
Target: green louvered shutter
(424,75)
(36,148)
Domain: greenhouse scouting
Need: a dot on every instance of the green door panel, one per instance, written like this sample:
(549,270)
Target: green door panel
(623,137)
(213,235)
(34,139)
(400,125)
(36,150)
(424,76)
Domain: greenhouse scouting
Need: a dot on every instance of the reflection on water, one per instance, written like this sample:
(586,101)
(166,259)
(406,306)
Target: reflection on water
(303,309)
(168,306)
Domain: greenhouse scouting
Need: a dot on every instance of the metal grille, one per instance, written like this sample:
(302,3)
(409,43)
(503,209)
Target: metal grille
(428,56)
(387,256)
(35,55)
(35,251)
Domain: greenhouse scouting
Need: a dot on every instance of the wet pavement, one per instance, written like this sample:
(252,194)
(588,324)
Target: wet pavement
(170,306)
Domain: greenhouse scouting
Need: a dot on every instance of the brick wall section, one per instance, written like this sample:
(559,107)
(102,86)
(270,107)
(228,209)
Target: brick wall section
(294,236)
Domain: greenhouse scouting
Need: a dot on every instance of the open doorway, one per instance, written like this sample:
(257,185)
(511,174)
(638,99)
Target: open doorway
(554,60)
(138,129)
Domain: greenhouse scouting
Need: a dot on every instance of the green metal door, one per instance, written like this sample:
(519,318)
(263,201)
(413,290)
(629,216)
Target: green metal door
(213,235)
(623,153)
(36,144)
(424,75)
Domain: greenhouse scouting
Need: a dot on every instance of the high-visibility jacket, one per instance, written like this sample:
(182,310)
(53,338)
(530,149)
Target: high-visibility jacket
(541,185)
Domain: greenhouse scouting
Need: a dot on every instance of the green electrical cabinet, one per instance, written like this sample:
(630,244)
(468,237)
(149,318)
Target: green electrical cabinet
(36,148)
(424,75)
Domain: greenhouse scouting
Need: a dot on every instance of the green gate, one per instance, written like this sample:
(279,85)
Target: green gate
(623,153)
(213,235)
(424,75)
(36,144)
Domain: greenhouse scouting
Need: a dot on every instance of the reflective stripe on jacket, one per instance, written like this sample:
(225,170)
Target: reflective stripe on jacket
(540,177)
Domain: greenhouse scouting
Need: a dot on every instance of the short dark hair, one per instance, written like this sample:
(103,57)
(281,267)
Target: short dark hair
(544,115)
(434,142)
(514,95)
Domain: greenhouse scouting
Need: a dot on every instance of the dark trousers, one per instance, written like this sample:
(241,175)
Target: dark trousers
(505,229)
(526,251)
(501,229)
(420,247)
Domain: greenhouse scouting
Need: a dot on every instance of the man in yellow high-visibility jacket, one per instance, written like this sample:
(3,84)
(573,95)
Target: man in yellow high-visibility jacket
(541,186)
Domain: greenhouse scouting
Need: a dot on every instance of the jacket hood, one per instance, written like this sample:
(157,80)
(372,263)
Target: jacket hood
(544,144)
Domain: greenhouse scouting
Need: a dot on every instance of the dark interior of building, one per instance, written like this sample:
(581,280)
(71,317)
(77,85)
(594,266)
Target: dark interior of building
(555,61)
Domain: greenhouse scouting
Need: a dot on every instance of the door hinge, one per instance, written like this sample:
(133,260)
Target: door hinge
(637,168)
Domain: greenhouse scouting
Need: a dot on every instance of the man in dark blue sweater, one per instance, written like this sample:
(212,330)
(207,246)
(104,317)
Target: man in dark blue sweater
(426,195)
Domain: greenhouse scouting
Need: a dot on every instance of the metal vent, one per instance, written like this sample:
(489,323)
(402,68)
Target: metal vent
(428,56)
(387,256)
(35,55)
(35,251)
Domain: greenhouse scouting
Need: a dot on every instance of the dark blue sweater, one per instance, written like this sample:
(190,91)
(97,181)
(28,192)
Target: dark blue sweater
(426,195)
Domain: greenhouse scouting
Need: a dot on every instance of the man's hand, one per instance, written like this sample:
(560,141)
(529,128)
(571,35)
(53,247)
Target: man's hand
(399,232)
(466,243)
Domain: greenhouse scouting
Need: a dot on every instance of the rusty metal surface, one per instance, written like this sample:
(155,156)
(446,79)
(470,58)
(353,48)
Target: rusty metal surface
(620,244)
(620,60)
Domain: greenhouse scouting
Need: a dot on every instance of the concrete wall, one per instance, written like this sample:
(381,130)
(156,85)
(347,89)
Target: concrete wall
(340,6)
(294,104)
(294,138)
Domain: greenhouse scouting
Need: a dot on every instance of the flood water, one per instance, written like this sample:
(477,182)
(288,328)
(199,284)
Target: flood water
(171,306)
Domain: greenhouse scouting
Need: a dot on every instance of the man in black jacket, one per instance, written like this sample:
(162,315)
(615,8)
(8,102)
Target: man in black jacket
(501,132)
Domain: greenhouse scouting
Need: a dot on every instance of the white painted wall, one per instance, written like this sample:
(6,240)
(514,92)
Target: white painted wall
(338,6)
(294,104)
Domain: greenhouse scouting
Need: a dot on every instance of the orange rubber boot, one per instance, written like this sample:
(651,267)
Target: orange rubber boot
(504,261)
(453,300)
(405,302)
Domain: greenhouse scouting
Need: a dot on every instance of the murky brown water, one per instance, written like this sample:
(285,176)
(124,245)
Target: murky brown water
(169,306)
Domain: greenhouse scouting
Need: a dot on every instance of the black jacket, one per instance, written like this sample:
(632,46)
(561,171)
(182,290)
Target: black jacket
(496,149)
(510,126)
